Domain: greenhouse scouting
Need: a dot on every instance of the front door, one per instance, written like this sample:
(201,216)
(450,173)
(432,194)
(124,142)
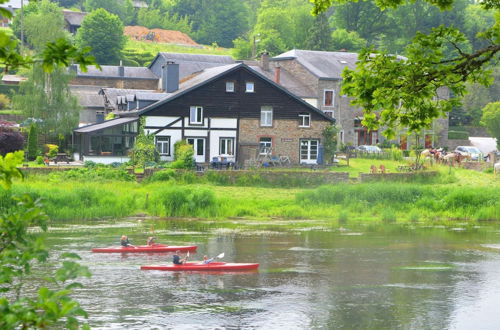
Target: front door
(309,151)
(199,149)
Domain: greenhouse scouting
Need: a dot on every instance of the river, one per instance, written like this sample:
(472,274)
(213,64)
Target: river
(370,277)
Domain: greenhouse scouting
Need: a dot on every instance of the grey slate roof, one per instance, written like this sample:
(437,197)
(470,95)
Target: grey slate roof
(326,65)
(14,4)
(105,124)
(88,96)
(74,17)
(288,81)
(112,71)
(149,96)
(211,74)
(189,63)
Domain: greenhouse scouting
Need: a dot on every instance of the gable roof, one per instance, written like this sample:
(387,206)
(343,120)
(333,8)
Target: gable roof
(288,81)
(103,125)
(211,74)
(88,96)
(74,18)
(188,63)
(115,96)
(324,65)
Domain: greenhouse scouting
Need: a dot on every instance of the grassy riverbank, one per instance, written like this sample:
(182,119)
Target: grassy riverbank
(90,194)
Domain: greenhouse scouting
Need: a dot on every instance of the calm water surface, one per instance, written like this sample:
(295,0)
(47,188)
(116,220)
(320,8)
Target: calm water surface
(321,278)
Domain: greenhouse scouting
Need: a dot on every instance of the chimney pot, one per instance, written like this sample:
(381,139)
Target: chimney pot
(277,74)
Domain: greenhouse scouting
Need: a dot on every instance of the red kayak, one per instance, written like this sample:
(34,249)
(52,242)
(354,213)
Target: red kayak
(213,266)
(145,248)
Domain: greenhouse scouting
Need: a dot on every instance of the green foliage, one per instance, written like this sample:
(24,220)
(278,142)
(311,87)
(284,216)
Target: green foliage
(39,160)
(154,18)
(103,32)
(183,201)
(4,101)
(9,90)
(348,40)
(52,150)
(242,48)
(144,150)
(183,155)
(19,250)
(58,109)
(32,142)
(123,9)
(491,120)
(458,135)
(42,24)
(319,34)
(330,141)
(89,174)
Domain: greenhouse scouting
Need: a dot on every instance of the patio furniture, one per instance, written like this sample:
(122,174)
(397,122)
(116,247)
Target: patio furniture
(61,157)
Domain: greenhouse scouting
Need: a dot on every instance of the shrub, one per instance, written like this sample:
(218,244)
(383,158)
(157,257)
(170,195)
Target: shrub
(4,101)
(89,164)
(10,140)
(396,153)
(32,142)
(182,201)
(92,174)
(39,160)
(183,155)
(164,175)
(52,150)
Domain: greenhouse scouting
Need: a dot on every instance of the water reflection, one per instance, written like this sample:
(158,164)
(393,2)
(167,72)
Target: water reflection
(385,277)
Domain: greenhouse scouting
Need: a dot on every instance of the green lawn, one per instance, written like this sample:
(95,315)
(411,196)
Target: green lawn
(154,48)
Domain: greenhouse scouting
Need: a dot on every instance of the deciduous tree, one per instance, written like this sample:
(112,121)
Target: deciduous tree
(103,32)
(491,120)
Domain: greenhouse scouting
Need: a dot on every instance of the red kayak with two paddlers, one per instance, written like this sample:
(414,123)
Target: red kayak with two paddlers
(200,266)
(145,248)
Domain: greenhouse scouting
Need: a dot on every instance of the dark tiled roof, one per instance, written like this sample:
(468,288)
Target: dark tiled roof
(117,96)
(74,17)
(112,71)
(211,74)
(190,63)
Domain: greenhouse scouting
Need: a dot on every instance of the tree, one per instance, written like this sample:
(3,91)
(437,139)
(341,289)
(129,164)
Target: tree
(330,142)
(43,23)
(103,32)
(491,120)
(144,150)
(46,96)
(350,41)
(395,91)
(19,250)
(122,8)
(10,140)
(319,34)
(32,142)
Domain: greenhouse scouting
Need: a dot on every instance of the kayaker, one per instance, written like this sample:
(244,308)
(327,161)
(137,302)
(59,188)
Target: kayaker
(206,260)
(124,241)
(151,241)
(176,259)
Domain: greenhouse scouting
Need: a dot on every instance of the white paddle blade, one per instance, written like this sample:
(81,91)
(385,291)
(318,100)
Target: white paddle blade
(220,255)
(187,255)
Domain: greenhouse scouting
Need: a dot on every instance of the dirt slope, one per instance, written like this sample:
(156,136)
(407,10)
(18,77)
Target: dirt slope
(159,35)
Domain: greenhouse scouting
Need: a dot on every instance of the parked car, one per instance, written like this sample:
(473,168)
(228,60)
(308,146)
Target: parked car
(369,149)
(475,153)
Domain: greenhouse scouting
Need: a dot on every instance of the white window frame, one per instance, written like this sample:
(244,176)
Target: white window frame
(160,145)
(309,152)
(329,113)
(194,114)
(226,143)
(266,116)
(230,86)
(304,120)
(265,146)
(333,97)
(249,87)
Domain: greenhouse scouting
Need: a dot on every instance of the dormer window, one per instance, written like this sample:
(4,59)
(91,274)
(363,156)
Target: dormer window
(196,115)
(328,98)
(249,87)
(230,86)
(304,120)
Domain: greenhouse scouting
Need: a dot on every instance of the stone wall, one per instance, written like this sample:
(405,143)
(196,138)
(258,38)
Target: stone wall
(369,177)
(277,177)
(452,144)
(117,82)
(477,166)
(285,134)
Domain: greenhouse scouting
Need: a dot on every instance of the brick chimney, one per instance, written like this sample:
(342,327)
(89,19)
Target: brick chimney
(170,77)
(264,61)
(277,74)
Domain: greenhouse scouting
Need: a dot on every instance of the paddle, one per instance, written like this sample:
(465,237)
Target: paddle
(220,256)
(187,256)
